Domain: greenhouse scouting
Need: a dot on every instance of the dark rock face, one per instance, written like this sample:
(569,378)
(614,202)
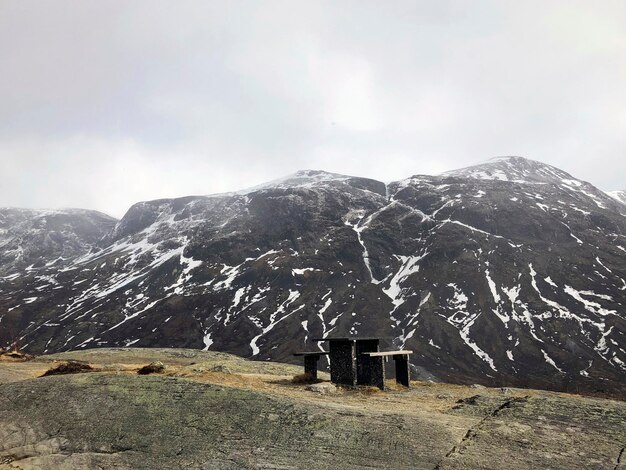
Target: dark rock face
(510,272)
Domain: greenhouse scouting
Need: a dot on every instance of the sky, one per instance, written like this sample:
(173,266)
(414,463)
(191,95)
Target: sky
(107,103)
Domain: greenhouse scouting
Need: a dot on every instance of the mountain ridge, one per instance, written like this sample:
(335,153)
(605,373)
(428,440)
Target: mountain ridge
(619,195)
(488,280)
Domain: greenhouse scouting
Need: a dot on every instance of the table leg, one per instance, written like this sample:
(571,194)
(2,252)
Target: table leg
(310,366)
(402,369)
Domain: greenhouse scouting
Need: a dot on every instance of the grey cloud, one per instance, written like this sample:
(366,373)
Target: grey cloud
(106,103)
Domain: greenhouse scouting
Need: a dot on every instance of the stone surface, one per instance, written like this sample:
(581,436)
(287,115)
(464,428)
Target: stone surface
(260,420)
(322,388)
(549,433)
(158,422)
(478,386)
(221,368)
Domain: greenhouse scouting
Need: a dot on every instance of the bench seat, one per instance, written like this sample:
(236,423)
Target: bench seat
(401,358)
(310,361)
(311,353)
(405,352)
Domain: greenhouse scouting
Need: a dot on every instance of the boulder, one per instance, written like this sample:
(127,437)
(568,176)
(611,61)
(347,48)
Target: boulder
(323,388)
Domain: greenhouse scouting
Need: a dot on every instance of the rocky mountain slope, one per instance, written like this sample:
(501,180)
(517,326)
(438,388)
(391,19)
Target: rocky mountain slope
(618,195)
(216,411)
(31,238)
(509,272)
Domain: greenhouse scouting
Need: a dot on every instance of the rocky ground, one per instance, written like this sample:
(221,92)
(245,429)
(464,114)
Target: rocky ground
(217,411)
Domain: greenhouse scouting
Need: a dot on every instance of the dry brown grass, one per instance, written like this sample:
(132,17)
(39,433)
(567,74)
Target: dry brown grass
(15,356)
(152,368)
(305,378)
(71,367)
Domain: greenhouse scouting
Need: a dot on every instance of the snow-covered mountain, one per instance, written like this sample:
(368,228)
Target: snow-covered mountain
(618,196)
(30,238)
(508,272)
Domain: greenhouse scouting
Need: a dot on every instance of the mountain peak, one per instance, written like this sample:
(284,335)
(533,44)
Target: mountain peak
(302,178)
(315,178)
(512,168)
(619,196)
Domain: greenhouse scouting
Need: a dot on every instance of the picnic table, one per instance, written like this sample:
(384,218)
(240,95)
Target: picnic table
(358,361)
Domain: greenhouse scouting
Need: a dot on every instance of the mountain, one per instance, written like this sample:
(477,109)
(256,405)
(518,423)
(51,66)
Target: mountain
(31,238)
(618,196)
(509,272)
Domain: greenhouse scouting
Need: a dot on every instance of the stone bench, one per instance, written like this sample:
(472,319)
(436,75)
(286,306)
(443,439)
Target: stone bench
(357,361)
(310,361)
(377,366)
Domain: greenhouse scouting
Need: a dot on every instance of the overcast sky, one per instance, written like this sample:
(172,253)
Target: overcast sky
(106,103)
